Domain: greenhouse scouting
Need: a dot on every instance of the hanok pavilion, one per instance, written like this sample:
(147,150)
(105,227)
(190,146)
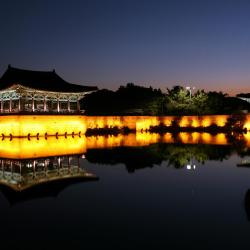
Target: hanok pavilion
(35,168)
(26,91)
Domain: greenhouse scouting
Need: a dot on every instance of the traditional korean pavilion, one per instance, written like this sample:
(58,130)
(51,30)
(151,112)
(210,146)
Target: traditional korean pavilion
(28,91)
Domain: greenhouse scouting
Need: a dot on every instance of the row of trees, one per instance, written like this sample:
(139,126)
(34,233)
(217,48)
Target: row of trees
(129,99)
(179,101)
(137,100)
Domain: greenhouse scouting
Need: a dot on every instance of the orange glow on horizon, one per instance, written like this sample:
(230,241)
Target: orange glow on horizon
(33,148)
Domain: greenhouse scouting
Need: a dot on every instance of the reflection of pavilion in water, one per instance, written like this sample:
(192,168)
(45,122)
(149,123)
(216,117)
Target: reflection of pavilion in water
(35,168)
(23,174)
(26,163)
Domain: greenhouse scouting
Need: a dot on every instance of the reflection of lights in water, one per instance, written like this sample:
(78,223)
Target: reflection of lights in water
(23,148)
(52,146)
(23,174)
(220,139)
(167,138)
(247,138)
(191,166)
(146,138)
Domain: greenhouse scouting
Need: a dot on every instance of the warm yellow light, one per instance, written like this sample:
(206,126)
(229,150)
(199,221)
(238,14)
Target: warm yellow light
(144,122)
(103,121)
(220,120)
(247,138)
(184,122)
(195,122)
(143,139)
(185,137)
(220,139)
(24,125)
(167,138)
(166,120)
(196,137)
(206,138)
(22,148)
(206,121)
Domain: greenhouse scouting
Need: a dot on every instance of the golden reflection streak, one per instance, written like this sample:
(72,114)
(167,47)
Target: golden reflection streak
(23,148)
(247,139)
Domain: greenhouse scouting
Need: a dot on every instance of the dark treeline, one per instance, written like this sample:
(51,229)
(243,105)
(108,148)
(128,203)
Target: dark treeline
(245,95)
(129,99)
(137,100)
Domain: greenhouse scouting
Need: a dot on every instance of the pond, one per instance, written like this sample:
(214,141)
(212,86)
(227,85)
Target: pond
(187,191)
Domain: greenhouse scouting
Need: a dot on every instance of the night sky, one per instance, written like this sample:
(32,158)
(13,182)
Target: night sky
(108,43)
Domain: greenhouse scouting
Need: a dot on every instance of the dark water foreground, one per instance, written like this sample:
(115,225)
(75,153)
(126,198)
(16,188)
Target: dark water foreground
(161,196)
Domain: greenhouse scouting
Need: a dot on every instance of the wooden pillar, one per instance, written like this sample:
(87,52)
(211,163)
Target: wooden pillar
(78,105)
(20,170)
(68,105)
(44,104)
(58,164)
(58,105)
(33,104)
(11,168)
(68,161)
(2,165)
(1,105)
(45,166)
(78,163)
(68,164)
(34,169)
(10,105)
(19,104)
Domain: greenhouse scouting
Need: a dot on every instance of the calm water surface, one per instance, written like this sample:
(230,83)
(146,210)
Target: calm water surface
(160,196)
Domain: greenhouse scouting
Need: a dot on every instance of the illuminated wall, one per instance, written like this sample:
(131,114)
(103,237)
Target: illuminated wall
(24,125)
(144,122)
(247,123)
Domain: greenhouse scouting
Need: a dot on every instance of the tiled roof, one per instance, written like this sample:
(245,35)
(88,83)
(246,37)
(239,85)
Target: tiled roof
(40,80)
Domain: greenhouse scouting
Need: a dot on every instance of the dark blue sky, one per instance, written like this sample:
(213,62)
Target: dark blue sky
(151,42)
